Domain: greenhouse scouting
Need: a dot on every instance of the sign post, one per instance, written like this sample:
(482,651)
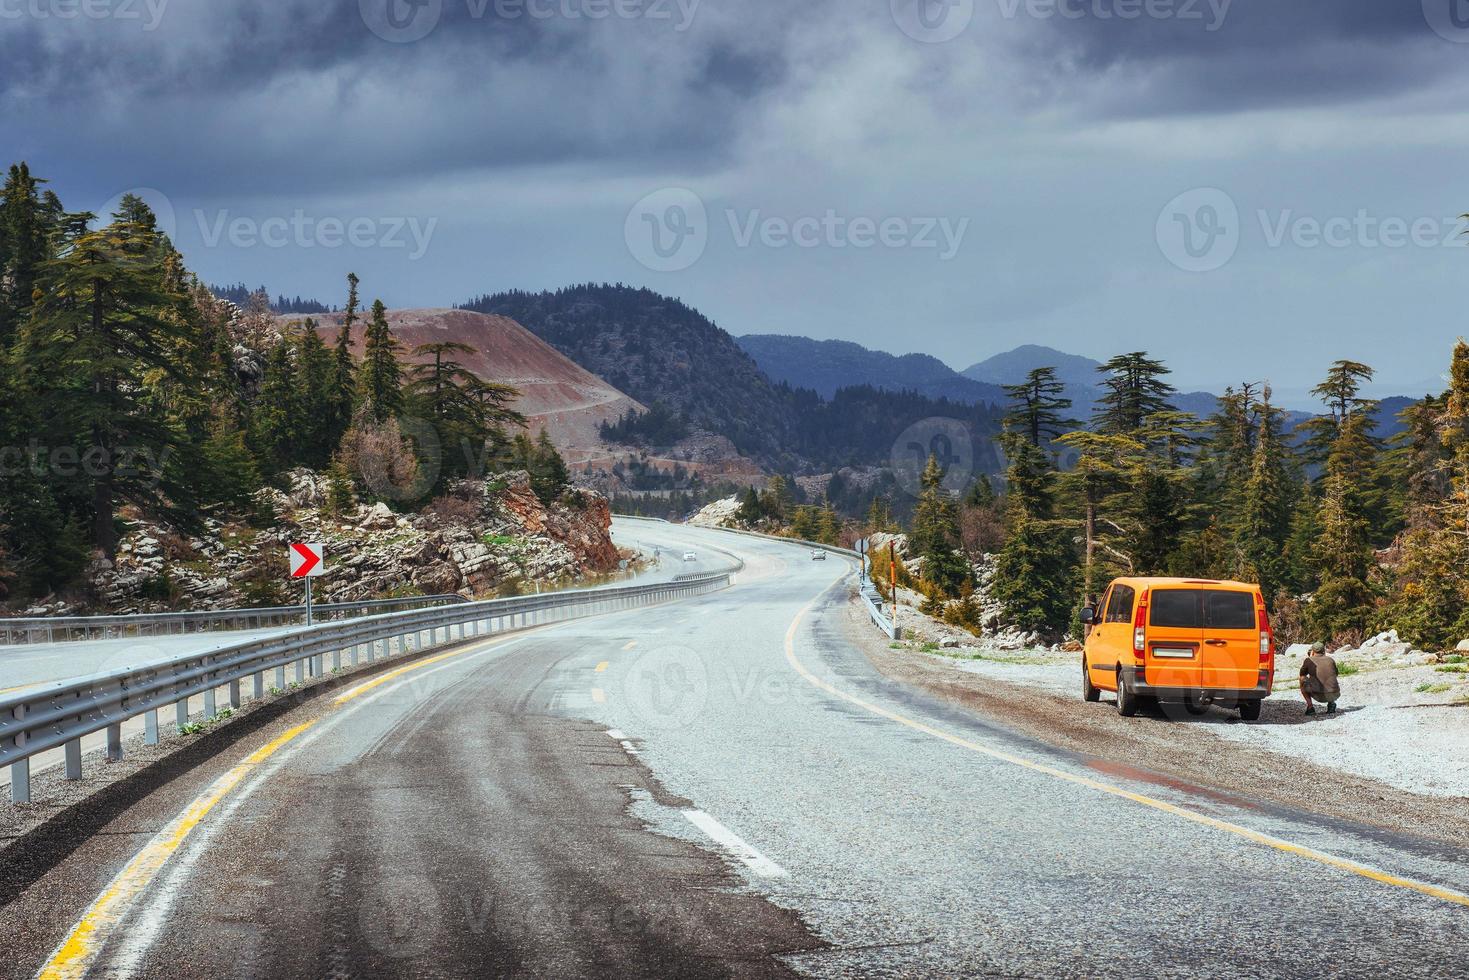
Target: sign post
(862,545)
(893,571)
(308,561)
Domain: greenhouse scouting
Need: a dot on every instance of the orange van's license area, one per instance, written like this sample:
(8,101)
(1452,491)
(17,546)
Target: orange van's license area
(1192,641)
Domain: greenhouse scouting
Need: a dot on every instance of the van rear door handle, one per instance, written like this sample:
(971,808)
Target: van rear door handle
(1216,643)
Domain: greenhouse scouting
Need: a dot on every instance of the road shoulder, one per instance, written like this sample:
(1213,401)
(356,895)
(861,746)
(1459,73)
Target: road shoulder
(1170,749)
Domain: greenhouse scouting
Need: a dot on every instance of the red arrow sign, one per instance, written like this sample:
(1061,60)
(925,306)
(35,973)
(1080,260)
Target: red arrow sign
(306,560)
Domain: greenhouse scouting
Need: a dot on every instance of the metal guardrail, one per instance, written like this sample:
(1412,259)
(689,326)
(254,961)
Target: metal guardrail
(16,631)
(60,714)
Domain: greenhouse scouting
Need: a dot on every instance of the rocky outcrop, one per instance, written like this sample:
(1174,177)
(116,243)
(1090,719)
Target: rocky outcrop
(483,537)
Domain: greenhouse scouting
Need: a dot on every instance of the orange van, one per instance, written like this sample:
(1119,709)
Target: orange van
(1194,641)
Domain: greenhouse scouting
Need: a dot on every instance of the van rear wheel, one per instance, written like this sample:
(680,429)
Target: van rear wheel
(1127,699)
(1089,691)
(1249,710)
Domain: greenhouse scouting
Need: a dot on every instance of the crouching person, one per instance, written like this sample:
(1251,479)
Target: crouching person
(1319,680)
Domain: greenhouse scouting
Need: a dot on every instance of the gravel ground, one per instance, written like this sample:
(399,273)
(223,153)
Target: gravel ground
(1390,763)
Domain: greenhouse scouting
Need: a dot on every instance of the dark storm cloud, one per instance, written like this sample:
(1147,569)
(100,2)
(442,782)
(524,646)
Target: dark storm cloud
(255,95)
(1230,55)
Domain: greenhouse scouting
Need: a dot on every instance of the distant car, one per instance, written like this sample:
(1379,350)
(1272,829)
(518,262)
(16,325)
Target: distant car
(818,555)
(690,556)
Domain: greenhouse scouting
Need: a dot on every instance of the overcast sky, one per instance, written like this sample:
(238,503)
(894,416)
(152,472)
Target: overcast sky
(1247,189)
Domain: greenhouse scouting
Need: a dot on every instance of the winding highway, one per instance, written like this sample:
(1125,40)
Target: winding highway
(717,787)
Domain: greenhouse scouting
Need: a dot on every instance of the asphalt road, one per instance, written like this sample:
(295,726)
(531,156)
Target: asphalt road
(716,787)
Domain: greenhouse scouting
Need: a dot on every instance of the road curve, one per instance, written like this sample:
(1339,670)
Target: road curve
(716,787)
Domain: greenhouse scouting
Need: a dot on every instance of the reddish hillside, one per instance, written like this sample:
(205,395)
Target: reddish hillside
(556,393)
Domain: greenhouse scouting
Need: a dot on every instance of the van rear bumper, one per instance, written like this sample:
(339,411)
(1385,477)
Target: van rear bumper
(1144,689)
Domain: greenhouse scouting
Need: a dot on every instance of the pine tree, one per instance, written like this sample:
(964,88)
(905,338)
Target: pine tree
(550,476)
(230,474)
(1268,497)
(828,525)
(1340,392)
(276,422)
(880,516)
(344,382)
(981,492)
(776,500)
(935,534)
(317,399)
(341,494)
(750,513)
(381,377)
(25,225)
(467,412)
(1429,604)
(1037,407)
(99,333)
(1135,389)
(1103,471)
(1343,604)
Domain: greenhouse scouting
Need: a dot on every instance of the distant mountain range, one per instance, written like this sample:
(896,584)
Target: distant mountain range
(826,366)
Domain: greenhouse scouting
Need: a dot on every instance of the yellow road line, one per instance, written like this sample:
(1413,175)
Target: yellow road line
(18,687)
(630,644)
(1434,891)
(601,667)
(76,954)
(599,695)
(86,939)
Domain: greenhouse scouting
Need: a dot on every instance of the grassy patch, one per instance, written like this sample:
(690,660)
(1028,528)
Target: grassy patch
(1426,688)
(1347,670)
(1453,669)
(194,727)
(1456,658)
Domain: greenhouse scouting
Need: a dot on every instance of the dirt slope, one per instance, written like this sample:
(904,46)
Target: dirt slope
(556,393)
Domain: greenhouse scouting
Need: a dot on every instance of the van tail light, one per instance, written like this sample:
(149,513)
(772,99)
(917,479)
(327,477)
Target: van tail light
(1139,629)
(1267,638)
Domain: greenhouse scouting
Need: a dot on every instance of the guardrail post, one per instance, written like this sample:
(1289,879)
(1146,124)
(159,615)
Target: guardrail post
(280,678)
(150,728)
(209,705)
(114,742)
(318,665)
(259,686)
(73,752)
(336,659)
(20,771)
(235,695)
(181,712)
(300,671)
(20,781)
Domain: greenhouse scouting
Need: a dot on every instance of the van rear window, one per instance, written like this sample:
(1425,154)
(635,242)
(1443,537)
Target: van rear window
(1202,609)
(1229,611)
(1175,608)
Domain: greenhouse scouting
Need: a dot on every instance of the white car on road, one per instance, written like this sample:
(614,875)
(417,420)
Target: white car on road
(690,556)
(818,555)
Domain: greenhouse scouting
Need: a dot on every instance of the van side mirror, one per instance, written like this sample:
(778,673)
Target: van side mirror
(1089,616)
